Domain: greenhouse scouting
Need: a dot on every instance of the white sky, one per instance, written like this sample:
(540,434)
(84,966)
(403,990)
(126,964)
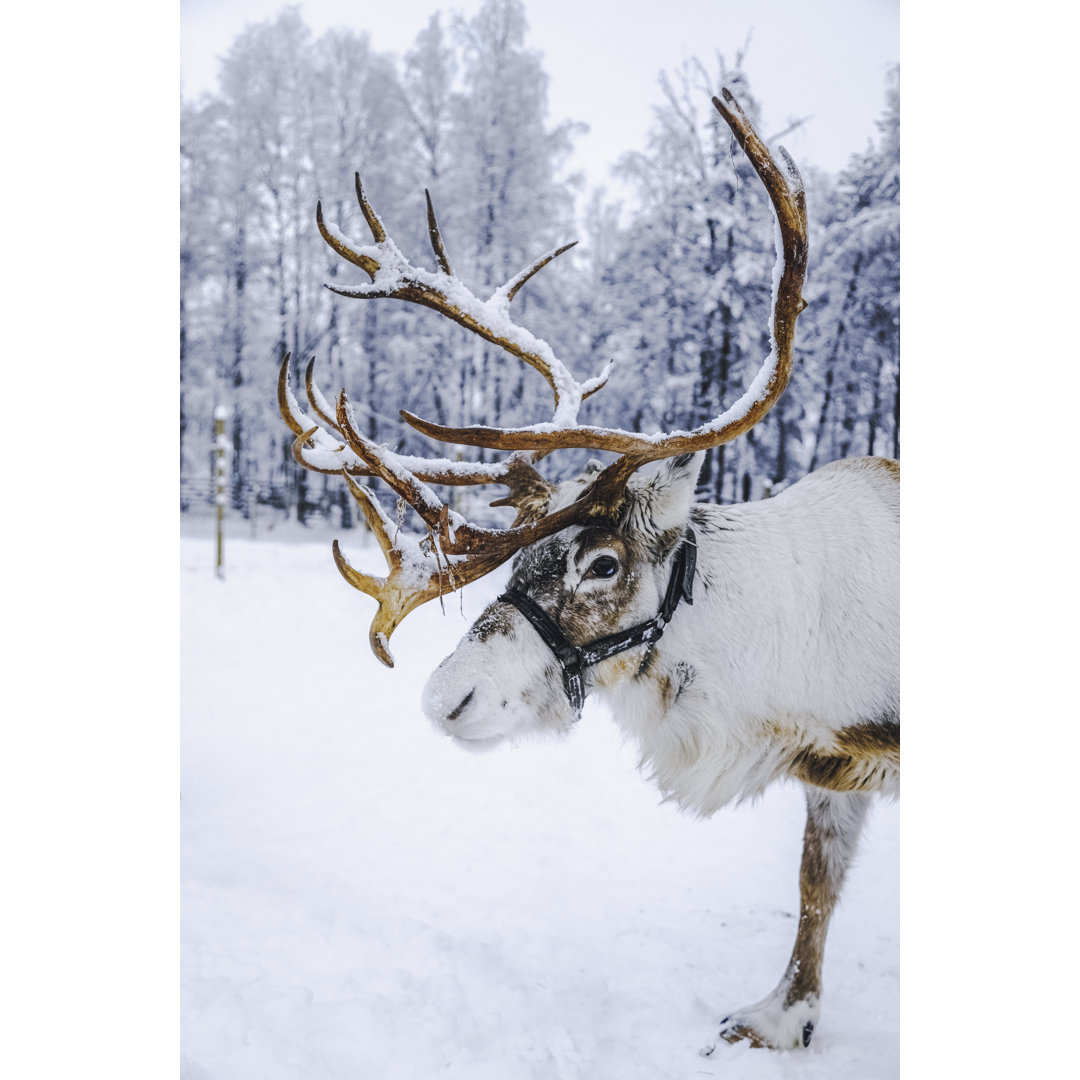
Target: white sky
(825,59)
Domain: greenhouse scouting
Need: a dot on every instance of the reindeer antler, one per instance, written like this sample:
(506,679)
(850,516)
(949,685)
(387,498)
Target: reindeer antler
(393,276)
(454,551)
(784,186)
(420,567)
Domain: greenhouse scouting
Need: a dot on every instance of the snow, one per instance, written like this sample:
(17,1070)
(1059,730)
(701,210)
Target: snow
(360,899)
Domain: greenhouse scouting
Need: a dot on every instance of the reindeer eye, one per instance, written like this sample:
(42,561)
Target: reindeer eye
(603,567)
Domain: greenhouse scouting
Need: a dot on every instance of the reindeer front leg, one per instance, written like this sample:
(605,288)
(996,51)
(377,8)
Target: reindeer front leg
(786,1017)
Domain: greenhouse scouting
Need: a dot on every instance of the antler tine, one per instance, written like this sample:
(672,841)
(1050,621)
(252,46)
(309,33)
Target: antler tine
(312,447)
(401,592)
(309,436)
(287,404)
(411,580)
(396,598)
(380,524)
(365,262)
(369,265)
(436,237)
(785,189)
(514,284)
(397,593)
(529,492)
(378,233)
(414,491)
(320,406)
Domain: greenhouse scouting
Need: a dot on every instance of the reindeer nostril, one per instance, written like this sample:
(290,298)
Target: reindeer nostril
(461,708)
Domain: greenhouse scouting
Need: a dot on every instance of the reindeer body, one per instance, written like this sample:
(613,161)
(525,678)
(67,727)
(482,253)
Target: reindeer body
(736,644)
(785,665)
(787,660)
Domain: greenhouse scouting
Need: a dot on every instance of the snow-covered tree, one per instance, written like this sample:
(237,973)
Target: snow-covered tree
(677,289)
(853,324)
(694,271)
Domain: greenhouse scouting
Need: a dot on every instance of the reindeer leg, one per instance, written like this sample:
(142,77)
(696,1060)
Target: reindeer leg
(786,1017)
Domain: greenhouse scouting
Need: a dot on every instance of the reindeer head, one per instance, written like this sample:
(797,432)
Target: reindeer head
(574,599)
(599,558)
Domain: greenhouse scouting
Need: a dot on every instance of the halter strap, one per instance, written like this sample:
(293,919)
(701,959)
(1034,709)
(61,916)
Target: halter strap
(574,659)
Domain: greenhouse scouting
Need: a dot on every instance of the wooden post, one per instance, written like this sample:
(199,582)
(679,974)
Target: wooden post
(221,447)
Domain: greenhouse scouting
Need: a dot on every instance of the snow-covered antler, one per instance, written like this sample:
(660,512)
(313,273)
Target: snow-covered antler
(785,188)
(455,551)
(420,568)
(392,275)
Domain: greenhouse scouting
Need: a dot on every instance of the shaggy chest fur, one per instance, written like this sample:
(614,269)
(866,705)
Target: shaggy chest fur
(787,663)
(703,754)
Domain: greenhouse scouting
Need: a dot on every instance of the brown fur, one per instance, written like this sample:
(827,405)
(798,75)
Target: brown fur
(861,757)
(613,671)
(648,663)
(816,901)
(494,621)
(889,465)
(828,843)
(582,616)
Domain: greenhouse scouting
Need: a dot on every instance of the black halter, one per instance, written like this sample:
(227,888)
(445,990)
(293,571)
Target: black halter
(574,659)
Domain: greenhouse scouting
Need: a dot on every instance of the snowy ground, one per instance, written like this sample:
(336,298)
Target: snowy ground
(360,899)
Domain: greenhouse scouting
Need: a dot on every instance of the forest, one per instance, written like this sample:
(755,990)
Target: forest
(673,284)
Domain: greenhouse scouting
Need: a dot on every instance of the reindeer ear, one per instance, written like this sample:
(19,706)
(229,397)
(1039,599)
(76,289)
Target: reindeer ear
(659,501)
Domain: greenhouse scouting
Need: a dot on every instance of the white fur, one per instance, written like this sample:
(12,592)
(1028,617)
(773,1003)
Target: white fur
(513,685)
(793,636)
(797,632)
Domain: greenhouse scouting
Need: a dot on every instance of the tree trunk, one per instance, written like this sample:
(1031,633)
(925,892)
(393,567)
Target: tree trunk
(896,420)
(826,401)
(849,300)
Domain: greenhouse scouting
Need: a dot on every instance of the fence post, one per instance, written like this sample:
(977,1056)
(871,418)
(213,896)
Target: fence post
(221,447)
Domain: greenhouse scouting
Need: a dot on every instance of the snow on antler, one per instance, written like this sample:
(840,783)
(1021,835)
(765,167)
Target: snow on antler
(454,550)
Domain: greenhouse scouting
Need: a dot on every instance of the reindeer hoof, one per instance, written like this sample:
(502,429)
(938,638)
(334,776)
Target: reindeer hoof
(771,1023)
(734,1030)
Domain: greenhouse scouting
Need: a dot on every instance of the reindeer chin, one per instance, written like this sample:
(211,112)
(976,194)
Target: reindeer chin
(478,746)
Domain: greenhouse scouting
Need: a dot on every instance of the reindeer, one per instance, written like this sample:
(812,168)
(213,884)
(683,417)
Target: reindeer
(737,644)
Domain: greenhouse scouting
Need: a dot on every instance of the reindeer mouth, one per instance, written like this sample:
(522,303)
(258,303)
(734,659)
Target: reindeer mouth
(482,745)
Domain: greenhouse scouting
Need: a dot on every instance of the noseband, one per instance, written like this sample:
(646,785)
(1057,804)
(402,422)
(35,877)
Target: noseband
(574,659)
